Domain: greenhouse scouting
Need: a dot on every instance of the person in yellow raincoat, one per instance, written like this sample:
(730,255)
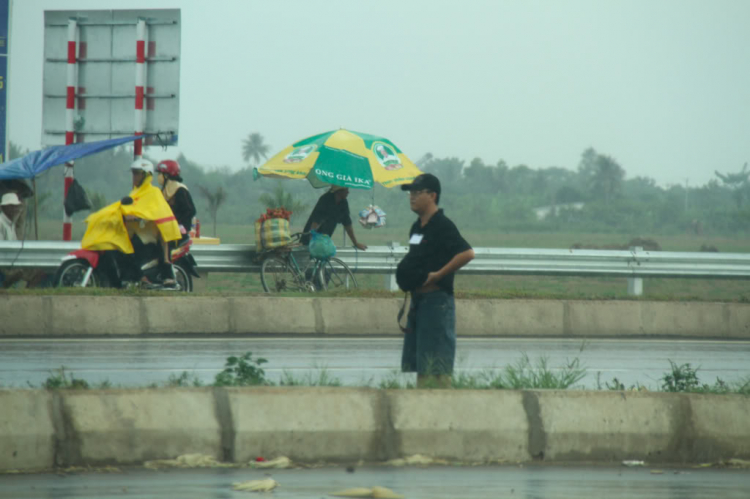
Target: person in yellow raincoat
(138,227)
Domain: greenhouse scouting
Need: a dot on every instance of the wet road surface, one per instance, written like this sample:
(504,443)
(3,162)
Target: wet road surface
(357,361)
(481,482)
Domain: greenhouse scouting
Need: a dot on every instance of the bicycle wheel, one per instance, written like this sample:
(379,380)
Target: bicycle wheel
(276,276)
(183,278)
(336,275)
(71,274)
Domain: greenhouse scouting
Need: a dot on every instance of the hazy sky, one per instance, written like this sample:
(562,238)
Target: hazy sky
(662,86)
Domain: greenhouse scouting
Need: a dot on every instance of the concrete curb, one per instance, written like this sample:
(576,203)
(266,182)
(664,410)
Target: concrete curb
(40,429)
(110,315)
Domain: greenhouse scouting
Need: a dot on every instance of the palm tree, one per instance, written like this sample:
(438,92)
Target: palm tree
(421,162)
(737,182)
(607,177)
(215,200)
(282,199)
(254,148)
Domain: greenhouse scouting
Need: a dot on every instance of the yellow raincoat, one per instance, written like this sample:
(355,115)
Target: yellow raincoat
(107,229)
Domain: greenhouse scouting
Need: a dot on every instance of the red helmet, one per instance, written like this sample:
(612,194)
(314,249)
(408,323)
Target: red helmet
(169,167)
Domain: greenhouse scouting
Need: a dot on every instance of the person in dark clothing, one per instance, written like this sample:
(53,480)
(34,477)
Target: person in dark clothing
(436,251)
(176,194)
(331,209)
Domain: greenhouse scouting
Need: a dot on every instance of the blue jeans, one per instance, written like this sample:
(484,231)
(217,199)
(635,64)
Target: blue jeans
(430,344)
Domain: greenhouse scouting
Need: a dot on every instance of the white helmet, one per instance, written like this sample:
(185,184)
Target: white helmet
(143,164)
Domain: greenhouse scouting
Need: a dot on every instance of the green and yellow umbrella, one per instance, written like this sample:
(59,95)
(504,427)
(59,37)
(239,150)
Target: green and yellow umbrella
(345,158)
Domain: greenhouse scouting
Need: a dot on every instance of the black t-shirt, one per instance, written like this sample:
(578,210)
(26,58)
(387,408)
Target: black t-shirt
(435,244)
(327,214)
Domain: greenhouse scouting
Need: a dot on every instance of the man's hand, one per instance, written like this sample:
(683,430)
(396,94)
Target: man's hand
(349,230)
(432,278)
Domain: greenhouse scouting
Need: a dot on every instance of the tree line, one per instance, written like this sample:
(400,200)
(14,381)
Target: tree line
(595,197)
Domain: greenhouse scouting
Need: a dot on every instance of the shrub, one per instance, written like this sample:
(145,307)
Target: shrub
(242,371)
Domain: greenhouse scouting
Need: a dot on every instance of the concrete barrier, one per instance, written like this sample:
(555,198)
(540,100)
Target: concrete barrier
(132,426)
(461,425)
(41,429)
(608,426)
(330,424)
(27,430)
(109,315)
(511,317)
(276,315)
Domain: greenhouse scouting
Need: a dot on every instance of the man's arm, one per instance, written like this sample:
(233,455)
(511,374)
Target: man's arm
(350,230)
(456,263)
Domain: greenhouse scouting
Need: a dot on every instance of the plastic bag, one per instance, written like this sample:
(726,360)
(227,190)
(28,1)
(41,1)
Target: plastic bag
(372,217)
(77,199)
(272,233)
(321,246)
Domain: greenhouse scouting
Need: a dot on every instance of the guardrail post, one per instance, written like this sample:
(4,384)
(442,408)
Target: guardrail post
(390,278)
(635,284)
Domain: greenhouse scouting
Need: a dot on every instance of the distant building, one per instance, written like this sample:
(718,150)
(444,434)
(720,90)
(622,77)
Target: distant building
(543,212)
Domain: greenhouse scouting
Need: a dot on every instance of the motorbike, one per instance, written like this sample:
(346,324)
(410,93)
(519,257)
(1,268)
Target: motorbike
(82,268)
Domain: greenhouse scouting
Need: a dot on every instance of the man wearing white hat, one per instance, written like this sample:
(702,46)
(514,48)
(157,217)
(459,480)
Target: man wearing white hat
(10,208)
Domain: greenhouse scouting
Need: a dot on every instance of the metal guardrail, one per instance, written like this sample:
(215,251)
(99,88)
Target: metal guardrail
(489,261)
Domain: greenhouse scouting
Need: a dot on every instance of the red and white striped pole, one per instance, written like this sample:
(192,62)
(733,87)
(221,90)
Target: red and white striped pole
(140,81)
(70,108)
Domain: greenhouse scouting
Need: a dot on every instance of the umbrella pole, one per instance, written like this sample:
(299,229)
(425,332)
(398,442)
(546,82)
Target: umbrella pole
(36,210)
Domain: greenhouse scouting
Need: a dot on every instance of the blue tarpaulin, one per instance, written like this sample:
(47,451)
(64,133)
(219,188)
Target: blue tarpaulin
(36,162)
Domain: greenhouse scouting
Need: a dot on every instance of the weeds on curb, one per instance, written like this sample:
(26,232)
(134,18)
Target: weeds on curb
(521,375)
(684,379)
(323,378)
(61,379)
(242,371)
(183,380)
(681,379)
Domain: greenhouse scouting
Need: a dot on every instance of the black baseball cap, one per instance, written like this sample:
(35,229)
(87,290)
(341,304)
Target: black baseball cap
(426,181)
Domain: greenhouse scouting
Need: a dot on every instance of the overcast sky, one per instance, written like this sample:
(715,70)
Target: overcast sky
(662,86)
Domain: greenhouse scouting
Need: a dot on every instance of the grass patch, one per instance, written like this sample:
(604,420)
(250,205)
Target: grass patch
(322,378)
(521,375)
(524,375)
(684,379)
(183,379)
(61,379)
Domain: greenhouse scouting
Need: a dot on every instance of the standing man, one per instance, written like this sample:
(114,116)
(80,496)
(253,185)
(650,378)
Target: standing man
(436,252)
(332,209)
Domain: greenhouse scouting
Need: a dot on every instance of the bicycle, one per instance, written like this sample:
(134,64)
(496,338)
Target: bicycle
(280,271)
